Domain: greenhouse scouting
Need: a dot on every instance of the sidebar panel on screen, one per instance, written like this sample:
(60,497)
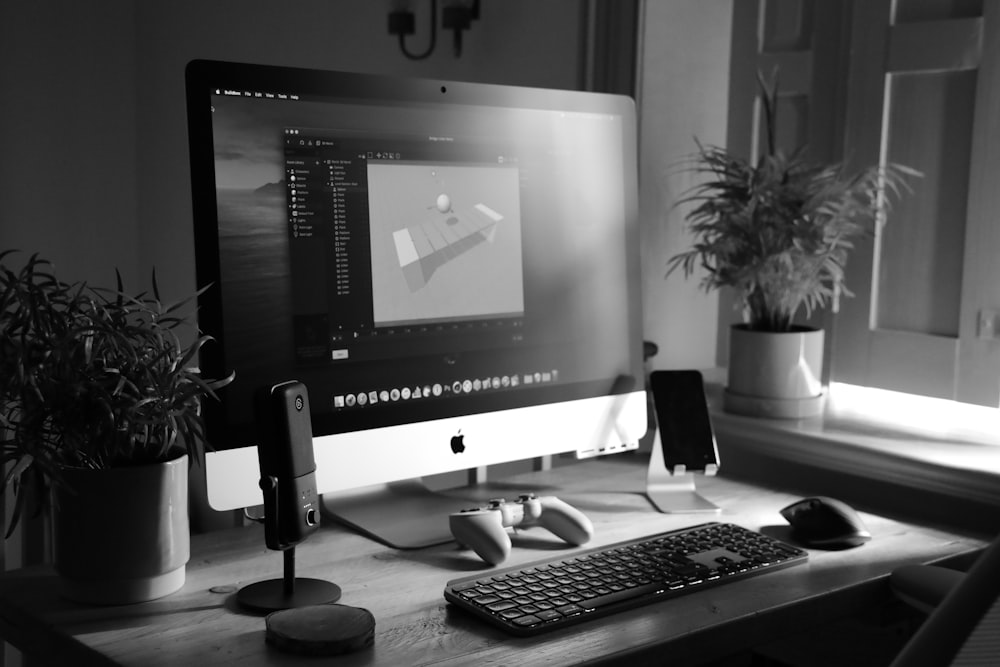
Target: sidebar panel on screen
(328,237)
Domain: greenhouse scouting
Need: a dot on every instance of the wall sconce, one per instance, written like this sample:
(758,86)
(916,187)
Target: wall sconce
(456,16)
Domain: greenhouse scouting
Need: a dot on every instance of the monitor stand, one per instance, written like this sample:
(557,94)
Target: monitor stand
(673,491)
(404,515)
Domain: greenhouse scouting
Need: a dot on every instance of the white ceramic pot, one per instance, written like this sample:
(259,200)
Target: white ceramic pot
(122,535)
(775,374)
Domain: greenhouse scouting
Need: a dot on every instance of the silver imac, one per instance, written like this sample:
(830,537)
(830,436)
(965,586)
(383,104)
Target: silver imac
(451,268)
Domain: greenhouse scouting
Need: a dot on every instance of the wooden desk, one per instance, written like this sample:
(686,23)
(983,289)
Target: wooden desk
(200,624)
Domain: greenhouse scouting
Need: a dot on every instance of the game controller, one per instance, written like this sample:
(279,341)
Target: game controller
(484,529)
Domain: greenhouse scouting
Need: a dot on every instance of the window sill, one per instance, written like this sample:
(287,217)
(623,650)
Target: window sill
(889,462)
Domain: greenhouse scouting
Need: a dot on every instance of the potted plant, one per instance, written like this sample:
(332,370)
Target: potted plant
(99,402)
(779,231)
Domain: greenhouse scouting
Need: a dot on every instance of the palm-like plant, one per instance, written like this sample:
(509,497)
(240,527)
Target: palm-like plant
(779,231)
(92,378)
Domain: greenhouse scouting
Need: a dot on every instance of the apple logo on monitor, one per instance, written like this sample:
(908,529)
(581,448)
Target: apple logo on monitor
(458,442)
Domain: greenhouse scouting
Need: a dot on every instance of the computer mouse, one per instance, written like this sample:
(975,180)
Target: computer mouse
(826,523)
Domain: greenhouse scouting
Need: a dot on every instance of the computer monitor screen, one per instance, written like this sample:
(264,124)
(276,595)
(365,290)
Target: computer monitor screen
(450,268)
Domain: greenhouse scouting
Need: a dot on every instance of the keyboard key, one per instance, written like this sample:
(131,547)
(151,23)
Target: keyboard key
(570,609)
(485,600)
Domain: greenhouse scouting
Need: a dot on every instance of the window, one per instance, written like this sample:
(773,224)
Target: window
(915,82)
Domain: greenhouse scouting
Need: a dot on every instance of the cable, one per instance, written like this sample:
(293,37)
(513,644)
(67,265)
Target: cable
(433,41)
(250,517)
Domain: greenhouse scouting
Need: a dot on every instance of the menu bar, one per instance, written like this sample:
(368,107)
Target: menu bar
(256,94)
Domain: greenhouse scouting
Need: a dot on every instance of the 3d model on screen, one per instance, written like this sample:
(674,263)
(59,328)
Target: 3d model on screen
(443,203)
(445,242)
(445,234)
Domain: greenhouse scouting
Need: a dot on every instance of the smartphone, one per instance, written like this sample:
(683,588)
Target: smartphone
(682,417)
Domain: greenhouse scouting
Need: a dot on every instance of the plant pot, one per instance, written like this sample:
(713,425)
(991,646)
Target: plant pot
(121,535)
(775,374)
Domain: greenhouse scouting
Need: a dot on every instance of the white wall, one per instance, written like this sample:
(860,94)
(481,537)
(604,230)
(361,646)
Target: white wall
(68,185)
(684,94)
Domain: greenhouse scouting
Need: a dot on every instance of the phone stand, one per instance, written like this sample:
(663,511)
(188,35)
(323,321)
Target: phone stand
(673,491)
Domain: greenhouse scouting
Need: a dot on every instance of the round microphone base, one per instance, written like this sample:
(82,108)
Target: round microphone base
(276,594)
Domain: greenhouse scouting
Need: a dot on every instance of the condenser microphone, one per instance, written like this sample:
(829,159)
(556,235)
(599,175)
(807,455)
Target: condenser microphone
(287,464)
(291,509)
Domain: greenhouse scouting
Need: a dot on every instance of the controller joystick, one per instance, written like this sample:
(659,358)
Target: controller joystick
(484,529)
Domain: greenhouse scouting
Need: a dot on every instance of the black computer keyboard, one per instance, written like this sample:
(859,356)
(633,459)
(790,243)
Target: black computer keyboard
(554,593)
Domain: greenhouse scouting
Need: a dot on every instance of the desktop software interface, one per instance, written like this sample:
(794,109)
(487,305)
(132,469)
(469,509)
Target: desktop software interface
(455,255)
